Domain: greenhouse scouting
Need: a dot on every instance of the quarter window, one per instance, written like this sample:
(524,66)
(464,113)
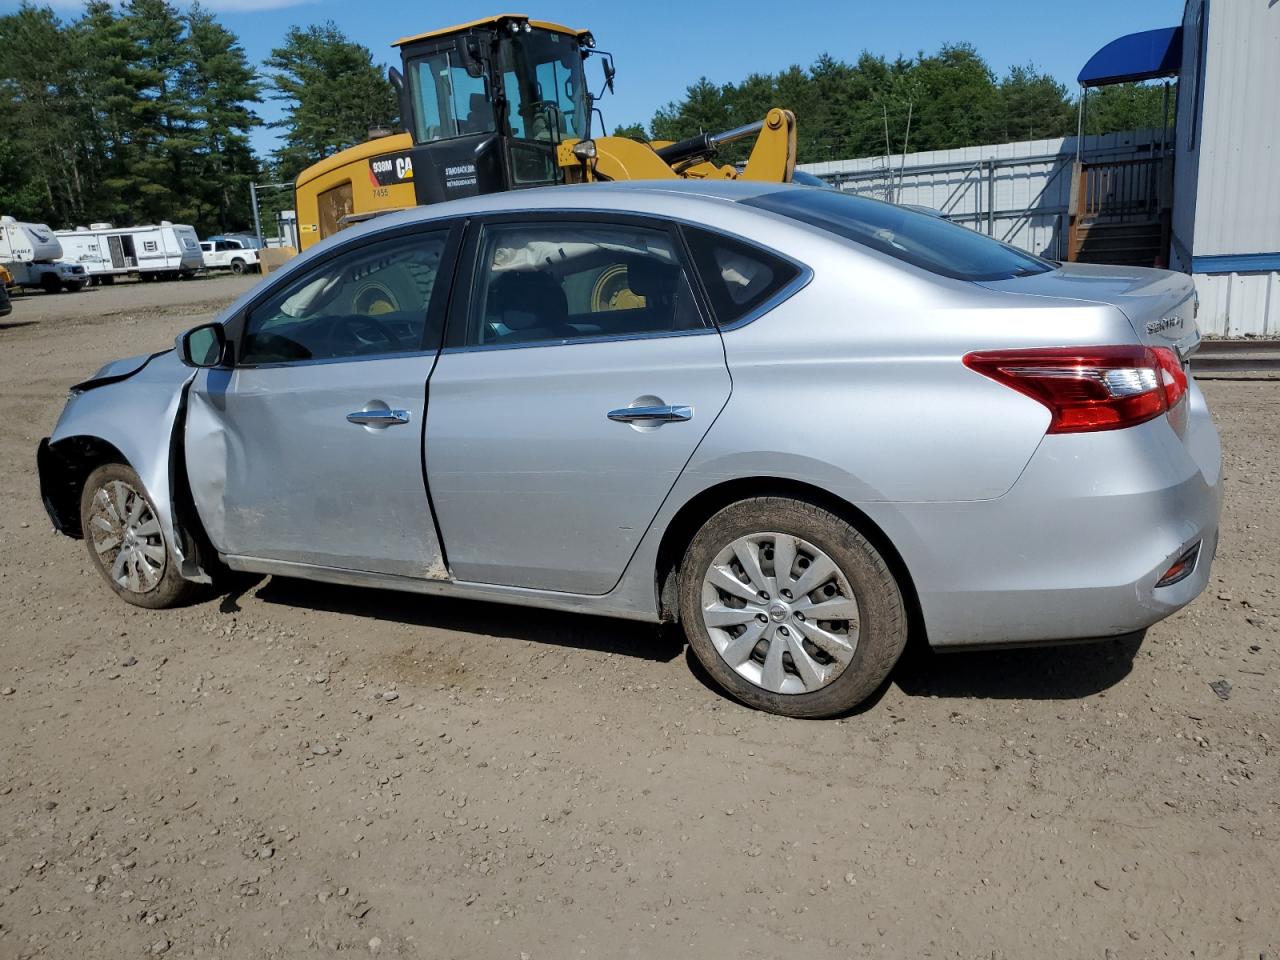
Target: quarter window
(738,276)
(577,281)
(374,301)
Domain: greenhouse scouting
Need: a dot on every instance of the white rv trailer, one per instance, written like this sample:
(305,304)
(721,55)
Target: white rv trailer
(165,251)
(32,253)
(100,250)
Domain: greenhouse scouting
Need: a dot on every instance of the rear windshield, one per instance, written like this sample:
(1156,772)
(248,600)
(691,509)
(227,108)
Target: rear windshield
(917,238)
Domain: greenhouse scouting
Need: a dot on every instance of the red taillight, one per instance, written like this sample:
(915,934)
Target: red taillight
(1090,388)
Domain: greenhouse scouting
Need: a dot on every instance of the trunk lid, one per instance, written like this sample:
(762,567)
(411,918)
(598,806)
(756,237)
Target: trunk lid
(1160,305)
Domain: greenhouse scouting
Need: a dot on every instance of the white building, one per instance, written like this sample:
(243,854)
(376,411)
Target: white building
(1226,207)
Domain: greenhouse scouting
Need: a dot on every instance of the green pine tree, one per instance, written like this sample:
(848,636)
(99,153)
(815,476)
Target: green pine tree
(333,95)
(220,88)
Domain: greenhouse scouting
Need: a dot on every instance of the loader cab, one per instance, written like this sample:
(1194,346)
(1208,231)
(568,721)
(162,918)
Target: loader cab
(487,104)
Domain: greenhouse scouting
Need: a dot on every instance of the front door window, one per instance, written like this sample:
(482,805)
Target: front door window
(375,301)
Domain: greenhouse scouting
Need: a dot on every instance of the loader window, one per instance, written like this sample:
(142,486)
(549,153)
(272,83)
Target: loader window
(542,76)
(447,101)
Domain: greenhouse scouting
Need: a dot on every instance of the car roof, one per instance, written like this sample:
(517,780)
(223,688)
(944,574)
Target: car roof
(634,196)
(677,199)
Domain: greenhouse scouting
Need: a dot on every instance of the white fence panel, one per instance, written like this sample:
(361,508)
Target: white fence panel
(1016,192)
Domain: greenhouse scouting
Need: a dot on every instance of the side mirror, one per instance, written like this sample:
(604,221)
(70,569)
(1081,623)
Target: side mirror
(203,346)
(473,58)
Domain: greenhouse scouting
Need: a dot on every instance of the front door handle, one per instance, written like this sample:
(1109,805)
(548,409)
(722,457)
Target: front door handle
(665,413)
(378,418)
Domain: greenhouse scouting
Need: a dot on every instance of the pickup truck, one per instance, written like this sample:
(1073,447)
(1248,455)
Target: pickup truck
(229,255)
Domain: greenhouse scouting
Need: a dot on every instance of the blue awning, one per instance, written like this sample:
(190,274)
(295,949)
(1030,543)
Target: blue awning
(1138,56)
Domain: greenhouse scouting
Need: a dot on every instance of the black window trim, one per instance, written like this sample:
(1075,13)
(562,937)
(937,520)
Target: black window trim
(465,292)
(452,227)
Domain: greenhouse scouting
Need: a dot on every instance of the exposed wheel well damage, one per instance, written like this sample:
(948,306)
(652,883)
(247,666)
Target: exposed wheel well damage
(64,467)
(690,518)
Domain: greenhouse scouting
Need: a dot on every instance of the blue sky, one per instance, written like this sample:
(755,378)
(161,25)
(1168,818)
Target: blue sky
(662,46)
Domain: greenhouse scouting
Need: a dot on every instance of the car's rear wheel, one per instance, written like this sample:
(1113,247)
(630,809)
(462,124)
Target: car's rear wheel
(789,608)
(125,541)
(237,266)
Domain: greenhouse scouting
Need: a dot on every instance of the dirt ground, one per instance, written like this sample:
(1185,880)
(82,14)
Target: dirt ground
(298,769)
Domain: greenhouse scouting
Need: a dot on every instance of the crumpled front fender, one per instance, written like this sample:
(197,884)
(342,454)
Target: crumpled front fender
(140,417)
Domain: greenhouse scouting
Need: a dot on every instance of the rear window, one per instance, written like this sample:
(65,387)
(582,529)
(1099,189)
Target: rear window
(924,241)
(738,277)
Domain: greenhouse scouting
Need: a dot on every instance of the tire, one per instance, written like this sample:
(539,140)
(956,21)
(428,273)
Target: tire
(766,672)
(237,266)
(49,283)
(149,575)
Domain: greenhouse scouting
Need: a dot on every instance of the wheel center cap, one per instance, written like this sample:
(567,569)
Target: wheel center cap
(779,612)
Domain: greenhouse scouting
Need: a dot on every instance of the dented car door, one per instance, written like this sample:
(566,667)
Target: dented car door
(307,448)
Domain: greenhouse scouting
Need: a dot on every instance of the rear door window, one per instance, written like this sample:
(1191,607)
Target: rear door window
(739,277)
(568,281)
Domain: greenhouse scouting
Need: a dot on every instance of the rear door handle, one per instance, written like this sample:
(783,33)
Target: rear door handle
(667,413)
(378,418)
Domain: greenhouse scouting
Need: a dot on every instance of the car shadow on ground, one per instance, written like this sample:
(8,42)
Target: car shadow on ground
(1063,672)
(18,323)
(1066,672)
(644,641)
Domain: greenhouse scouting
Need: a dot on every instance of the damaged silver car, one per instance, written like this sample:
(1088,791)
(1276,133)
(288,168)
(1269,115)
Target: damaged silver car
(802,424)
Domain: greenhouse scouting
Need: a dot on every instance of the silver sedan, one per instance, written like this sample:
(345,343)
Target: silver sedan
(803,424)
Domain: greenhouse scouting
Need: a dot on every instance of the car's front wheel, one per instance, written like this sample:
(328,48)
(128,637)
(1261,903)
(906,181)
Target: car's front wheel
(789,608)
(125,541)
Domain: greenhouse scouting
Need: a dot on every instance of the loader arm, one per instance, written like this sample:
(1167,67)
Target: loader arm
(773,158)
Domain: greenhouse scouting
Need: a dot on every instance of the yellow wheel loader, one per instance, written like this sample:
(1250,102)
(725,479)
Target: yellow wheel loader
(503,104)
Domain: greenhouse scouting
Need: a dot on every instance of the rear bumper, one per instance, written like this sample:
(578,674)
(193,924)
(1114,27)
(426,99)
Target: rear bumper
(1075,549)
